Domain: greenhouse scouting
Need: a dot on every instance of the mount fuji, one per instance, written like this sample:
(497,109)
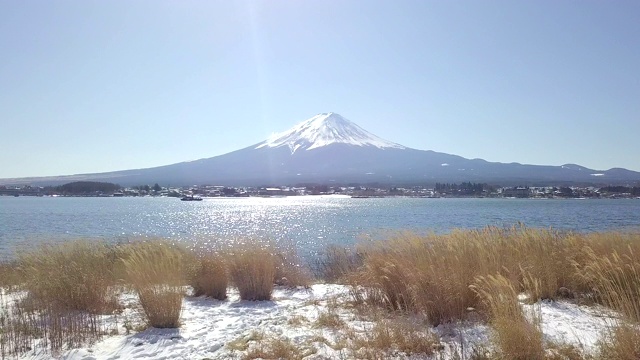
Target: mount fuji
(328,148)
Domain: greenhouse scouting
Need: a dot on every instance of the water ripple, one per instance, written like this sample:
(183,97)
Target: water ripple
(308,223)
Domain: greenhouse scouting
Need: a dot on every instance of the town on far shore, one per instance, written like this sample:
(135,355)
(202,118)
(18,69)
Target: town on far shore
(440,190)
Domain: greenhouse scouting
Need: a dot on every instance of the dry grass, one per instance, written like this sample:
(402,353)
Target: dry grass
(208,276)
(297,320)
(68,285)
(16,332)
(70,276)
(335,263)
(290,271)
(444,275)
(565,352)
(258,346)
(439,276)
(156,270)
(621,343)
(429,274)
(278,348)
(329,319)
(242,343)
(394,335)
(615,279)
(252,270)
(432,274)
(10,275)
(516,338)
(24,327)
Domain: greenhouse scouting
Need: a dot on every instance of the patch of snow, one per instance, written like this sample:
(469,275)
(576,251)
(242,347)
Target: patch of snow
(596,174)
(207,326)
(567,323)
(326,129)
(445,164)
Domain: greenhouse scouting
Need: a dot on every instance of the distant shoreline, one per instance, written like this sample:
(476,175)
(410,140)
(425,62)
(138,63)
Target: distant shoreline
(631,197)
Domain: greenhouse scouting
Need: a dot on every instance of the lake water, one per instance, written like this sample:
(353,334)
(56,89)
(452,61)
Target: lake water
(308,222)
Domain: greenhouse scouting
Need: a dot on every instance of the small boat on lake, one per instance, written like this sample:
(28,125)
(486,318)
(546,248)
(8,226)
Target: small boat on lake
(191,198)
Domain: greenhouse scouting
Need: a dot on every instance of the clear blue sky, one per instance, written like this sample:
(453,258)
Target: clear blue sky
(89,86)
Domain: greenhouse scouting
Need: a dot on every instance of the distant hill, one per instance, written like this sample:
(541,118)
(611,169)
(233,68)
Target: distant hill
(328,148)
(87,187)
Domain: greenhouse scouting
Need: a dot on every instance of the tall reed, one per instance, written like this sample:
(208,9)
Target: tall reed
(208,275)
(157,272)
(432,273)
(75,275)
(615,279)
(10,275)
(46,329)
(516,337)
(613,275)
(252,268)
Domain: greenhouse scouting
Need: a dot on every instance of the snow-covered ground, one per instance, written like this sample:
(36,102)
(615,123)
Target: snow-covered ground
(210,328)
(582,326)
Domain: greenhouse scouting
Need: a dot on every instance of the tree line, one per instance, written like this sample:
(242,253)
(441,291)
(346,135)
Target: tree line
(465,188)
(621,190)
(87,187)
(95,187)
(148,188)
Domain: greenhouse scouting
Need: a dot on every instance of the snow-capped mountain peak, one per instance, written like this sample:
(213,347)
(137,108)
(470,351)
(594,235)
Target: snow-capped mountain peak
(326,129)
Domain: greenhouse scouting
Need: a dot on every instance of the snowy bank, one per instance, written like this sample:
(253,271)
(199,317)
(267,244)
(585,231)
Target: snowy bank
(212,329)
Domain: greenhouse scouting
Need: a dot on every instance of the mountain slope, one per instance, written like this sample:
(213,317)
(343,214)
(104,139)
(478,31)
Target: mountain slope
(329,148)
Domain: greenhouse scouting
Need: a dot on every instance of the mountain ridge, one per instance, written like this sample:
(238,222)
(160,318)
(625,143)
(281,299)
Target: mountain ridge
(328,148)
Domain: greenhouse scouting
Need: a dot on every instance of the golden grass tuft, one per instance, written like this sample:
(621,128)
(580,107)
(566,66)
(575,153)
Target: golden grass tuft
(279,348)
(208,276)
(517,338)
(67,287)
(252,270)
(392,335)
(429,274)
(242,343)
(70,276)
(615,279)
(156,271)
